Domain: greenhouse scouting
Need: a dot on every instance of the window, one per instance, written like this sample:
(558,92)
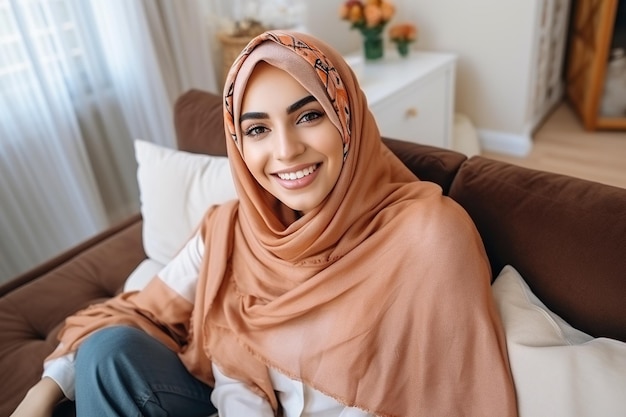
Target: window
(44,38)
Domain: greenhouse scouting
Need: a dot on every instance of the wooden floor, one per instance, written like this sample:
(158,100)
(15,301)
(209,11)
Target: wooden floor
(562,145)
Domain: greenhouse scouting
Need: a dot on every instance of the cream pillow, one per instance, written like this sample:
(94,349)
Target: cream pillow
(145,271)
(176,188)
(558,370)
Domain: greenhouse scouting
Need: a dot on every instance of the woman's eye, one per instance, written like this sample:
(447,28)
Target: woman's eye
(310,116)
(255,131)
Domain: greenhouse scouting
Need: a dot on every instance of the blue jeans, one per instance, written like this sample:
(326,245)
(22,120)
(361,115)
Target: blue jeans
(122,371)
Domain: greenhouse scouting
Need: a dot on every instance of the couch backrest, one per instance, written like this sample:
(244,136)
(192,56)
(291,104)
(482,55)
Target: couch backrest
(566,237)
(199,123)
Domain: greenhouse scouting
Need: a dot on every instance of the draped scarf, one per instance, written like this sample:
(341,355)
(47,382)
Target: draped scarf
(379,297)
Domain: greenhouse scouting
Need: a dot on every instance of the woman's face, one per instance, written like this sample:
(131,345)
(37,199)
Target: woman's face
(289,144)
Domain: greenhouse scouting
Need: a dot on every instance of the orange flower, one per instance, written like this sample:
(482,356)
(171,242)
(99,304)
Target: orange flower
(344,11)
(403,32)
(373,15)
(388,10)
(367,13)
(356,13)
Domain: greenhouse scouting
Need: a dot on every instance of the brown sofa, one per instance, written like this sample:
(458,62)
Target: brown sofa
(566,236)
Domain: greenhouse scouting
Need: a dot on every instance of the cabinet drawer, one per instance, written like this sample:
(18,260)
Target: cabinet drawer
(420,113)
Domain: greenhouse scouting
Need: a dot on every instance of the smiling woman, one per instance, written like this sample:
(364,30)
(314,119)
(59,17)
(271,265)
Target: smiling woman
(337,284)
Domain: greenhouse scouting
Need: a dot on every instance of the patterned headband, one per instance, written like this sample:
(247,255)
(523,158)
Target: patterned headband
(325,71)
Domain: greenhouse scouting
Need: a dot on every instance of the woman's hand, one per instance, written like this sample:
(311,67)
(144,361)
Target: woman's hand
(40,399)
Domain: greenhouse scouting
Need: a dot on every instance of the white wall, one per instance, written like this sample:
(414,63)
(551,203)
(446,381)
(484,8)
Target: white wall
(322,20)
(494,41)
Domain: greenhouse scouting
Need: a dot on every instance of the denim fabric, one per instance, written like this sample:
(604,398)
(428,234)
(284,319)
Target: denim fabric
(122,371)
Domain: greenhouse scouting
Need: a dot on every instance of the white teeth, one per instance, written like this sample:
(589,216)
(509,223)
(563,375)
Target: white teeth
(298,174)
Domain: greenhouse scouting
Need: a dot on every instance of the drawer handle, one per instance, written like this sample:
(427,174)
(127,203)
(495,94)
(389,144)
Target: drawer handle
(411,112)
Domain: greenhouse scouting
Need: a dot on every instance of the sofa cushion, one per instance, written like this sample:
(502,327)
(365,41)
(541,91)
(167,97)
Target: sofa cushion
(141,276)
(558,370)
(564,235)
(176,188)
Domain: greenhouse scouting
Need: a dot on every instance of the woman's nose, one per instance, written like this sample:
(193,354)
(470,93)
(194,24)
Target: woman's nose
(287,144)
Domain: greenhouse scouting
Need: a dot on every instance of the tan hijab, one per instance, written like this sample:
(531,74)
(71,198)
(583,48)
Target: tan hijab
(379,297)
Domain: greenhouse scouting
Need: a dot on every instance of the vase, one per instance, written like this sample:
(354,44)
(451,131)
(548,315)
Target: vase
(403,47)
(373,45)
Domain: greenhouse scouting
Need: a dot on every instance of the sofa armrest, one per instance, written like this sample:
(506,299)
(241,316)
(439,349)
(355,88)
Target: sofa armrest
(33,308)
(64,257)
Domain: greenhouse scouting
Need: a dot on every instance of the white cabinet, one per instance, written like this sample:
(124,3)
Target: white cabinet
(551,33)
(412,98)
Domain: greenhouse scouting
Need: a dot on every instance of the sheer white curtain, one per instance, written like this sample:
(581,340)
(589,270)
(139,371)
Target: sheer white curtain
(79,80)
(160,51)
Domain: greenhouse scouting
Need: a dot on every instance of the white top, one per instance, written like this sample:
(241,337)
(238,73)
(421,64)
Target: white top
(231,397)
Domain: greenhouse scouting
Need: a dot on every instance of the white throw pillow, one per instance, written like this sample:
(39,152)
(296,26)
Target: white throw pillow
(176,189)
(558,370)
(145,271)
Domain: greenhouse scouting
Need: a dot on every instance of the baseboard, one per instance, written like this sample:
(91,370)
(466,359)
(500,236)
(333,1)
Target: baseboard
(505,143)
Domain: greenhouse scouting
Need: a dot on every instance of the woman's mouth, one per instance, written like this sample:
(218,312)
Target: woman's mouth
(298,178)
(296,175)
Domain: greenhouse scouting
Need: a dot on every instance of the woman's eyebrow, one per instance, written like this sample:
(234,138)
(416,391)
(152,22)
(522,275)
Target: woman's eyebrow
(298,104)
(253,115)
(290,109)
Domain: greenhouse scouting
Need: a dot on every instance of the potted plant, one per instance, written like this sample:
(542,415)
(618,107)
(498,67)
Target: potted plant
(370,18)
(403,34)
